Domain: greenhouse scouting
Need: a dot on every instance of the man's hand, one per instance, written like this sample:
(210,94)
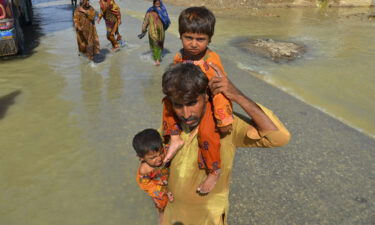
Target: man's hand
(221,84)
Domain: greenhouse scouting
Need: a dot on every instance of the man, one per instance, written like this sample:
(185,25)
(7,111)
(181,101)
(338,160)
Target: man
(87,37)
(186,86)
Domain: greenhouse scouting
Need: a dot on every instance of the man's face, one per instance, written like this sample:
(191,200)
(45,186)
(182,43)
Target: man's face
(190,113)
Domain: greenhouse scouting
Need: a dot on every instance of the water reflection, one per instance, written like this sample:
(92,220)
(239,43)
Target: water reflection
(91,87)
(115,85)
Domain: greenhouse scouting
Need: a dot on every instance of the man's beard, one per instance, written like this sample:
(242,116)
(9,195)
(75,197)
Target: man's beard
(190,126)
(193,125)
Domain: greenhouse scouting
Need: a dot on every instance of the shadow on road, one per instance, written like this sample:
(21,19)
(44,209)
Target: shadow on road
(6,101)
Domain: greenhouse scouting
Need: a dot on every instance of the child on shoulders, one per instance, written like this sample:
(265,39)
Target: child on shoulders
(196,28)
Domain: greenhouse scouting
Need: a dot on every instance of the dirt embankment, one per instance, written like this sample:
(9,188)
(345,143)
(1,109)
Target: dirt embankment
(234,4)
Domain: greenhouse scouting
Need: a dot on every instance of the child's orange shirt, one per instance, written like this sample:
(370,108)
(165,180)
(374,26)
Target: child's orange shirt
(155,185)
(222,106)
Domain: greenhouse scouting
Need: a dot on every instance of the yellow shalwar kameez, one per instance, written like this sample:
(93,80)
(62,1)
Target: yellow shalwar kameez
(188,207)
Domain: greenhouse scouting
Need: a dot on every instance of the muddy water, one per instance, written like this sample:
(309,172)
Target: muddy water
(336,73)
(66,156)
(67,124)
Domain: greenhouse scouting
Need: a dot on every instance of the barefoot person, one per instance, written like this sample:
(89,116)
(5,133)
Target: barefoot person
(156,21)
(151,177)
(84,22)
(186,86)
(196,27)
(112,16)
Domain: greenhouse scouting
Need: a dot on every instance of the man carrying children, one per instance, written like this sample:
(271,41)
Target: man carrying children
(201,131)
(186,86)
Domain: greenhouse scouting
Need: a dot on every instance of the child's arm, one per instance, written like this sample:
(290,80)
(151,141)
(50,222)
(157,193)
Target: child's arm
(100,16)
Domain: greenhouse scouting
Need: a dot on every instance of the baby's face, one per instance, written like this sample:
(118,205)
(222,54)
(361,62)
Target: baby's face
(154,158)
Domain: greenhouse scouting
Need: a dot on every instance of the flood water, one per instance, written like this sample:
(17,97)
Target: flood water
(335,75)
(67,124)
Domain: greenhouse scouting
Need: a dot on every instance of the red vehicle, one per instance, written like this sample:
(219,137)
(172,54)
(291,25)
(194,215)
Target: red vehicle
(13,15)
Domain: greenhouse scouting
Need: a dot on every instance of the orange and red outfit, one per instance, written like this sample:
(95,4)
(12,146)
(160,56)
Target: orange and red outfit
(154,184)
(218,113)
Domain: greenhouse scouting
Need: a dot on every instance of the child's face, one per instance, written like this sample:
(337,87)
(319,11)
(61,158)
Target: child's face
(194,43)
(154,158)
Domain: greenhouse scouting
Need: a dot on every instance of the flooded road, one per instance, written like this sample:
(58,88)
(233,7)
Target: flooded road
(67,124)
(67,157)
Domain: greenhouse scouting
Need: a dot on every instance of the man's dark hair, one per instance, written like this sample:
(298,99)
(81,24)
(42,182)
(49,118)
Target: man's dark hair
(197,20)
(146,141)
(184,82)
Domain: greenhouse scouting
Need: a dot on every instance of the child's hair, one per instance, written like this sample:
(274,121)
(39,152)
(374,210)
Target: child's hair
(146,141)
(197,20)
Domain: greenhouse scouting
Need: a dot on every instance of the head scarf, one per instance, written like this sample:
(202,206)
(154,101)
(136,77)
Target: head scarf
(163,14)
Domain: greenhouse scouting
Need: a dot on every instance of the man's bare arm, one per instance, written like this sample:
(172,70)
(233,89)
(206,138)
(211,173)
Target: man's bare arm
(221,84)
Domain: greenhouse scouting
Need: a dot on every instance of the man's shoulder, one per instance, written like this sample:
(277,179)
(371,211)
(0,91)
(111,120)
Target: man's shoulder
(241,123)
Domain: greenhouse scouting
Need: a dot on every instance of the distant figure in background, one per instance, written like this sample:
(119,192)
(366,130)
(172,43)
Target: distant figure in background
(84,22)
(112,16)
(74,2)
(157,21)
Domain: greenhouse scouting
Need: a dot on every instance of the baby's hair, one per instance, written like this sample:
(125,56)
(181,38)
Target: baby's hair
(146,141)
(197,20)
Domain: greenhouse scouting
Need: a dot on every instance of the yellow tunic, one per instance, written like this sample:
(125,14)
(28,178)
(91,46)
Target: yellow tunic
(188,207)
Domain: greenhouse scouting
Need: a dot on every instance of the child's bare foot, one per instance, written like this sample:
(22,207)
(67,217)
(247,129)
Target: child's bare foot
(174,146)
(157,63)
(116,48)
(170,196)
(209,183)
